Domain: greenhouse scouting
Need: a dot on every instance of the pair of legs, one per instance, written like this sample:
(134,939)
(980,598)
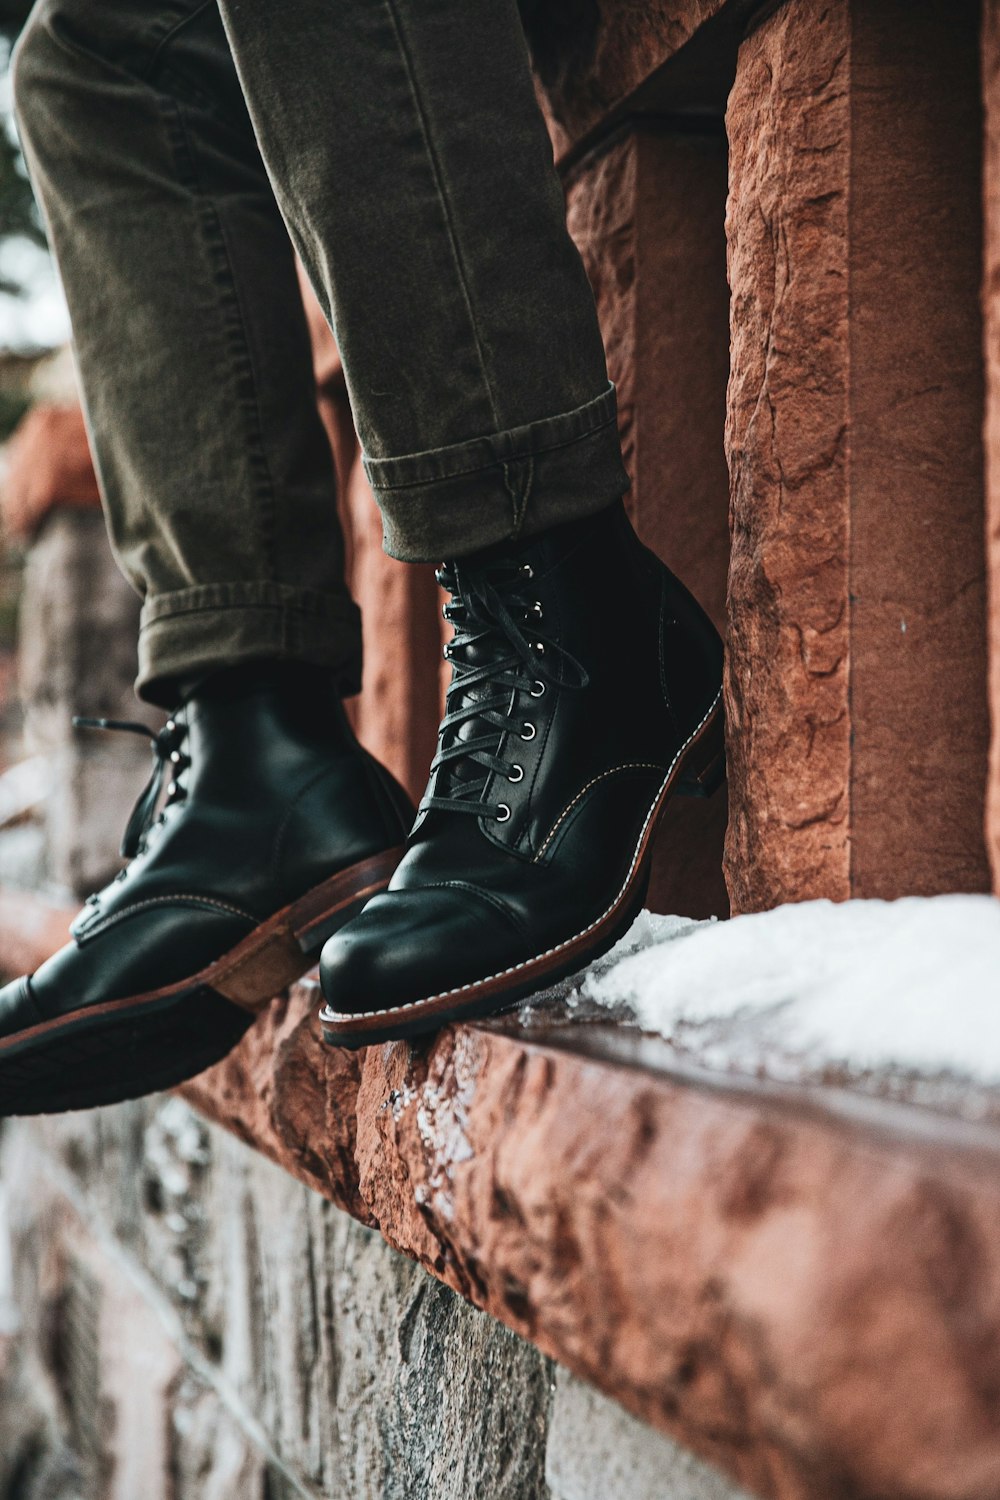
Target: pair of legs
(180,150)
(399,144)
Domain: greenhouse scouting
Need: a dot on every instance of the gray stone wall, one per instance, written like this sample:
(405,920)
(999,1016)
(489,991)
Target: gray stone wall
(180,1320)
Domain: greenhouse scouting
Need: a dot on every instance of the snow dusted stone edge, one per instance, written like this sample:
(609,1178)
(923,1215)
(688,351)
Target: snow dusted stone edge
(771,1229)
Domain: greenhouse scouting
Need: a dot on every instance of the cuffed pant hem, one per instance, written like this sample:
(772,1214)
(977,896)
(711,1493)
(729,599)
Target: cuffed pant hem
(201,629)
(451,501)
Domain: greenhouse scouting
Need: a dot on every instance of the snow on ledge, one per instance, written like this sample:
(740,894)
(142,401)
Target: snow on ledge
(840,991)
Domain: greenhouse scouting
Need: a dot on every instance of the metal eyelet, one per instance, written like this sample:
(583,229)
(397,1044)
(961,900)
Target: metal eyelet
(503,813)
(539,648)
(170,726)
(527,571)
(519,776)
(528,731)
(538,688)
(175,757)
(446,651)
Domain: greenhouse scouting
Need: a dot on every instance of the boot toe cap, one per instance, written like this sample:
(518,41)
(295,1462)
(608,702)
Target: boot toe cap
(408,946)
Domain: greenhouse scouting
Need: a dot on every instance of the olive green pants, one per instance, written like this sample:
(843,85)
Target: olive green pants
(179,149)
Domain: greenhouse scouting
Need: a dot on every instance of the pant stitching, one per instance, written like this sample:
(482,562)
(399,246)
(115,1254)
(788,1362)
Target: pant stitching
(371,466)
(529,478)
(438,177)
(169,36)
(234,335)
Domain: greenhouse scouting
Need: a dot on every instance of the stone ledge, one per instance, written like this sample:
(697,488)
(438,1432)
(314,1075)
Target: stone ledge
(802,1286)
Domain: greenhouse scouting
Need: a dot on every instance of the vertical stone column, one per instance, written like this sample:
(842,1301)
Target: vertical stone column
(991,312)
(918,658)
(648,213)
(855,688)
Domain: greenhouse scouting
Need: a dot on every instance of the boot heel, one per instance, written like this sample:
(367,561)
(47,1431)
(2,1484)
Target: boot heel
(704,768)
(325,910)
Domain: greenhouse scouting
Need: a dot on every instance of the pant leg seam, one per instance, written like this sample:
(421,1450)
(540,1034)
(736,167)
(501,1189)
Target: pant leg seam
(169,36)
(231,313)
(438,177)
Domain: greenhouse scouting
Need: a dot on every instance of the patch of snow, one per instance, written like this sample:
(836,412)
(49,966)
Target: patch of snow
(859,987)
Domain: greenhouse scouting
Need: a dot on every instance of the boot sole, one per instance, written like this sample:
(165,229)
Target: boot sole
(122,1049)
(698,770)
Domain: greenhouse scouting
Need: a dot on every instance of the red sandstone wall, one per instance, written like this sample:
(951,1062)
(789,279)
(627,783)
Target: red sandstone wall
(857,706)
(787,685)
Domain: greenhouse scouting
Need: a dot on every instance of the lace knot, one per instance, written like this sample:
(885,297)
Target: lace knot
(166,746)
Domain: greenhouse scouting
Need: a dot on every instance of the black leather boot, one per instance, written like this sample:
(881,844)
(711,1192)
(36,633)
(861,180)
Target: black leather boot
(276,828)
(586,690)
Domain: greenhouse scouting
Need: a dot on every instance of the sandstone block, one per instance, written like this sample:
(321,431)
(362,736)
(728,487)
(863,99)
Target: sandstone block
(855,679)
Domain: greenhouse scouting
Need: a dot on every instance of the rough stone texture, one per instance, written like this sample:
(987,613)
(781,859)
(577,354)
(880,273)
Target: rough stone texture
(193,1325)
(803,1288)
(991,311)
(809,1303)
(79,621)
(780,1292)
(649,217)
(917,584)
(787,689)
(596,1451)
(857,715)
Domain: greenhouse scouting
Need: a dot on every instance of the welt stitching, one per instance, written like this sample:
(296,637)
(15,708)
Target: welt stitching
(493,463)
(639,765)
(207,902)
(438,177)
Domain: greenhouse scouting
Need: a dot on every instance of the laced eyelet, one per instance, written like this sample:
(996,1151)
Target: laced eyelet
(539,648)
(527,571)
(503,813)
(535,611)
(528,731)
(446,651)
(170,726)
(175,757)
(538,688)
(516,774)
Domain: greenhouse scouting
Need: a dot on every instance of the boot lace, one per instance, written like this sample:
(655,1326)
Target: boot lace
(167,756)
(496,666)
